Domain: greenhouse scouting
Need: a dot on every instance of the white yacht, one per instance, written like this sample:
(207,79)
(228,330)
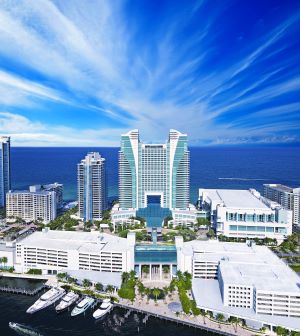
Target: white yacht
(82,306)
(105,307)
(46,299)
(66,301)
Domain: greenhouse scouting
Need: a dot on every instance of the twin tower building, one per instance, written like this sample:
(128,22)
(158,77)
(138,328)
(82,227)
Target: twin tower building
(147,173)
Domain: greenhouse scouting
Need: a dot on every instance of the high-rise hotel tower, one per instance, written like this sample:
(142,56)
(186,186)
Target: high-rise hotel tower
(160,170)
(92,196)
(4,168)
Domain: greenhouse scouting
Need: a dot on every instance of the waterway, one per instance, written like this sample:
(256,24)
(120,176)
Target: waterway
(49,323)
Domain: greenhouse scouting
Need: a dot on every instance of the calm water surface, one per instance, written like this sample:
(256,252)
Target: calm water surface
(217,167)
(48,323)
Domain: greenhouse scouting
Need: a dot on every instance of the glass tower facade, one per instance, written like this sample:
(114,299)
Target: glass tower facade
(5,184)
(92,193)
(147,170)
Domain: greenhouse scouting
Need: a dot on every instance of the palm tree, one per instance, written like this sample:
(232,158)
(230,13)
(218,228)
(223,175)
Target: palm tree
(203,314)
(220,318)
(156,292)
(4,260)
(86,283)
(109,288)
(234,320)
(166,292)
(125,277)
(61,276)
(1,261)
(148,292)
(99,287)
(132,274)
(141,288)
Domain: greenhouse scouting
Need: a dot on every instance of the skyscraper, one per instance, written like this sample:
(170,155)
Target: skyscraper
(4,168)
(92,196)
(159,170)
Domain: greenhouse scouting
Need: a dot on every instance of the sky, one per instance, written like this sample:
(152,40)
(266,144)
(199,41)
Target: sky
(81,73)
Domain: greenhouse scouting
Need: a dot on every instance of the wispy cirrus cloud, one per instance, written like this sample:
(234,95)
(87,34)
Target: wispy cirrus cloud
(102,67)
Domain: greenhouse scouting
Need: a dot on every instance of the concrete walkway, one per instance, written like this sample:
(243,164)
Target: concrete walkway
(161,308)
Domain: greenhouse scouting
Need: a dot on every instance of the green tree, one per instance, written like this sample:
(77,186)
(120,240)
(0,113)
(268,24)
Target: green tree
(195,309)
(110,289)
(61,276)
(4,260)
(210,233)
(203,313)
(156,292)
(147,292)
(234,320)
(141,288)
(220,318)
(86,283)
(281,331)
(99,287)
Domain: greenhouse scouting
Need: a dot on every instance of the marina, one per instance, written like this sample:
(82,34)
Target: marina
(48,322)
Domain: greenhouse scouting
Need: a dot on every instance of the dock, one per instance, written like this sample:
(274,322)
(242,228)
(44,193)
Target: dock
(170,319)
(22,290)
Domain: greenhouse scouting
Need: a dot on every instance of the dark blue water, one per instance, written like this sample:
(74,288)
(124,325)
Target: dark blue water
(220,167)
(48,323)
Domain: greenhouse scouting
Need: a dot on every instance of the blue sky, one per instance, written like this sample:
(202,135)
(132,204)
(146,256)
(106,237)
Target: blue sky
(80,73)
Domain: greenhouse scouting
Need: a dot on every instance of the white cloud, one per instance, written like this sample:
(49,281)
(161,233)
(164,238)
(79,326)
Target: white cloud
(87,49)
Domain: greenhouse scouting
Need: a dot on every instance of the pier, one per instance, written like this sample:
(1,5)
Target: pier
(22,290)
(170,319)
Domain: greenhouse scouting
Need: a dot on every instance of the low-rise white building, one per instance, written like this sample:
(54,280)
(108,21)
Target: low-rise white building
(243,280)
(55,251)
(245,214)
(33,204)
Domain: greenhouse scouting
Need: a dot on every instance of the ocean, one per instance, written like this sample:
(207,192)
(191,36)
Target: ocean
(211,167)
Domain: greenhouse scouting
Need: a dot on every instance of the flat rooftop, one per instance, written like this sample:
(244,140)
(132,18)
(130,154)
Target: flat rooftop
(231,198)
(81,241)
(208,296)
(213,250)
(268,277)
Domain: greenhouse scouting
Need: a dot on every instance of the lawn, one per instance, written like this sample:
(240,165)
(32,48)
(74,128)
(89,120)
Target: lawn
(296,268)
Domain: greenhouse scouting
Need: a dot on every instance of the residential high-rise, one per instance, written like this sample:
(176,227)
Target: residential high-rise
(288,197)
(154,170)
(58,188)
(4,168)
(30,205)
(92,195)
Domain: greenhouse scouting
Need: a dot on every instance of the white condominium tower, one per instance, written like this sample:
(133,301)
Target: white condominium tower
(4,168)
(33,204)
(288,197)
(92,199)
(160,170)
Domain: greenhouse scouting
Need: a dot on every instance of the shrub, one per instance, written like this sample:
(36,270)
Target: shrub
(35,271)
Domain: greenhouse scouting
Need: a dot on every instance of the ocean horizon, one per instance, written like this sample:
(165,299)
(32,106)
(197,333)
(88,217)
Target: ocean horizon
(210,167)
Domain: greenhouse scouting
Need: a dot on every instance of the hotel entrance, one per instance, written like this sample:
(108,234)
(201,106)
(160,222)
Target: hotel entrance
(155,262)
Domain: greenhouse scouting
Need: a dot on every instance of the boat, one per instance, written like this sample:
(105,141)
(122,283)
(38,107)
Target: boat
(46,299)
(105,307)
(66,301)
(82,306)
(22,329)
